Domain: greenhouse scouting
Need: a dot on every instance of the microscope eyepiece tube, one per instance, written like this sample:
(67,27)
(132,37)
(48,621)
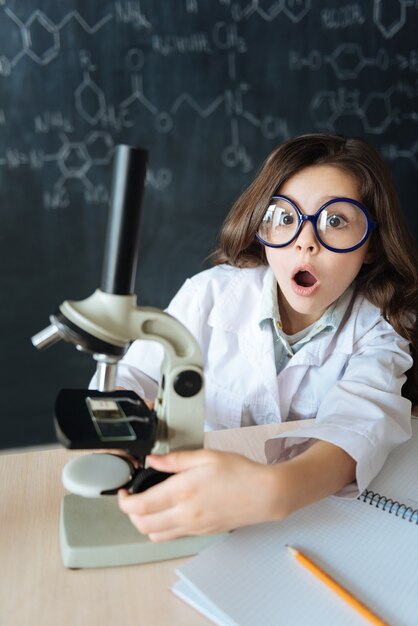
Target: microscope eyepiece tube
(122,240)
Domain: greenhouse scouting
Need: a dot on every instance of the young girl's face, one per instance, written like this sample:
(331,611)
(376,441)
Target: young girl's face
(334,272)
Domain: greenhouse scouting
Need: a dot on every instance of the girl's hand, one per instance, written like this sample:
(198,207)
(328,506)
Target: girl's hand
(211,492)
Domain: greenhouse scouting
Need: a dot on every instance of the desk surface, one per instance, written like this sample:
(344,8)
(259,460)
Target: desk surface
(35,587)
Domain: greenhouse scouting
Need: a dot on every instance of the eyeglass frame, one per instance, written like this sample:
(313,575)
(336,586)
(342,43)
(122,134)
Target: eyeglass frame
(313,219)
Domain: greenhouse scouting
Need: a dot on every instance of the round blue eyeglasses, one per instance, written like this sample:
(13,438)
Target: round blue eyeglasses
(340,225)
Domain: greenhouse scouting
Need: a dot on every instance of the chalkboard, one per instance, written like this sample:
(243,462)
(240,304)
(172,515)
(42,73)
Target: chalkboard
(209,87)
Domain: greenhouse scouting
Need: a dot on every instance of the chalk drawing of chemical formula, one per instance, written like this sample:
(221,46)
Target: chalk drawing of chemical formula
(378,109)
(40,40)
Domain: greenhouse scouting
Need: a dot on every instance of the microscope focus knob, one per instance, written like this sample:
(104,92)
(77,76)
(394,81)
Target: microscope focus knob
(188,383)
(146,478)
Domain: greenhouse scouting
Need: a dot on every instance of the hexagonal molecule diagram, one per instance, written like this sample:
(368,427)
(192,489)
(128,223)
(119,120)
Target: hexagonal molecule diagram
(90,100)
(390,16)
(40,38)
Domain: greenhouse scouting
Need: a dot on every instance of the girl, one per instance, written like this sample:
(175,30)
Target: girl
(310,311)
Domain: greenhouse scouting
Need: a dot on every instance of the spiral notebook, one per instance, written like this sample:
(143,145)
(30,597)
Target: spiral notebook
(370,545)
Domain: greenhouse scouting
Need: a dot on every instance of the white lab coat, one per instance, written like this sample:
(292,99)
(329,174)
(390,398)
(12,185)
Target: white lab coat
(350,381)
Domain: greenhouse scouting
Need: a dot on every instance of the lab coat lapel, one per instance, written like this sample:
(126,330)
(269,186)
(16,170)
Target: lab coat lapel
(256,345)
(237,311)
(288,384)
(313,354)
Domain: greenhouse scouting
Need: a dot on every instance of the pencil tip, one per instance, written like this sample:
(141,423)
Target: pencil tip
(291,549)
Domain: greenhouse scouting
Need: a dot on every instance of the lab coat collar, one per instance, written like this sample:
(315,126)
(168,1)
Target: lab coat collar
(238,305)
(316,351)
(236,310)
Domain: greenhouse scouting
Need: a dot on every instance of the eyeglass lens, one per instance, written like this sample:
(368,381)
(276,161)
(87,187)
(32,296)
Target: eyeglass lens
(340,225)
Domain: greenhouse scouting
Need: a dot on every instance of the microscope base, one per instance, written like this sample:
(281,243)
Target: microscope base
(95,533)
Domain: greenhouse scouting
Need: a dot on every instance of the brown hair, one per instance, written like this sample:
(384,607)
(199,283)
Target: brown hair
(391,281)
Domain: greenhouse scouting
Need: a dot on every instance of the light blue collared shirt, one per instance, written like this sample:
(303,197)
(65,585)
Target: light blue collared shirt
(285,346)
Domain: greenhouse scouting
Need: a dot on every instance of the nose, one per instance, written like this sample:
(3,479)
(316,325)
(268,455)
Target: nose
(306,241)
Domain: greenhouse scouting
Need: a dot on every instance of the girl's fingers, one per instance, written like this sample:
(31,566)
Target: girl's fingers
(167,535)
(158,498)
(178,461)
(163,522)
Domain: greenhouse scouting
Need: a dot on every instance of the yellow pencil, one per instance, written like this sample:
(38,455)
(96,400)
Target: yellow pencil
(339,590)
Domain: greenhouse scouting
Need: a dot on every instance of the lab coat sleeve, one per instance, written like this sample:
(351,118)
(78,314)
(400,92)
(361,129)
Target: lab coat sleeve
(139,370)
(364,412)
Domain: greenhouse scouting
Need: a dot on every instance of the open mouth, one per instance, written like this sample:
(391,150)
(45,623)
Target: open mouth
(304,278)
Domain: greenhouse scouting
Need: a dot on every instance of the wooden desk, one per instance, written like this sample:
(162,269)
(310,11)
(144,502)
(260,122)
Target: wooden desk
(35,588)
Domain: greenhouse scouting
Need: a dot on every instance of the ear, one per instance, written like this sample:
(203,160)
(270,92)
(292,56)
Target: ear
(372,252)
(369,258)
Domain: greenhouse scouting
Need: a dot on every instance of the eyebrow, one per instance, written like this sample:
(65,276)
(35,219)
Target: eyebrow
(321,201)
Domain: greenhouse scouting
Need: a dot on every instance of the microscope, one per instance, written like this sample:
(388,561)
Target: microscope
(93,531)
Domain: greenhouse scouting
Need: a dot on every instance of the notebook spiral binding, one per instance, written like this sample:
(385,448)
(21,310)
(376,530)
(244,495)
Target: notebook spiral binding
(392,506)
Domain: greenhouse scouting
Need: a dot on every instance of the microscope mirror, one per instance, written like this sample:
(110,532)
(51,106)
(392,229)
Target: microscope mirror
(93,474)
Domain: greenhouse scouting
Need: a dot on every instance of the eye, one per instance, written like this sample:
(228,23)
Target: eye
(287,219)
(283,219)
(336,221)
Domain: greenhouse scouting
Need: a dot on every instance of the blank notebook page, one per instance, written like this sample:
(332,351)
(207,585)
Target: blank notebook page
(398,478)
(251,578)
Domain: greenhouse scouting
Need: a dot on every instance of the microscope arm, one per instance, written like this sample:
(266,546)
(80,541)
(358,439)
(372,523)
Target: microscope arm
(179,404)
